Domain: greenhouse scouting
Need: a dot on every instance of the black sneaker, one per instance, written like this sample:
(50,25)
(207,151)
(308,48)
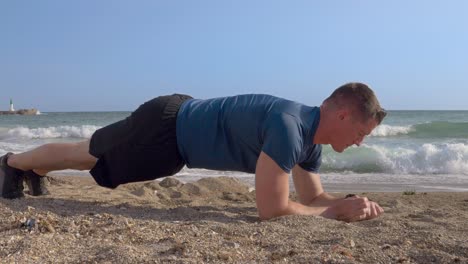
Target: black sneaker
(11,180)
(36,183)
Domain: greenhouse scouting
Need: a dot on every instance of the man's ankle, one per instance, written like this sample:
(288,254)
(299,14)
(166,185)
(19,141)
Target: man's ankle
(12,162)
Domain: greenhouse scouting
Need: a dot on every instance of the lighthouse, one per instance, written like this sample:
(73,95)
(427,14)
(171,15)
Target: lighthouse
(12,109)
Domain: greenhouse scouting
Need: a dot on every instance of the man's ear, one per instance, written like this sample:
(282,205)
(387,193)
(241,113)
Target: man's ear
(342,114)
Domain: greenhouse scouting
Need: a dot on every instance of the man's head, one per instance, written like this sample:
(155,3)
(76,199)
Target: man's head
(353,112)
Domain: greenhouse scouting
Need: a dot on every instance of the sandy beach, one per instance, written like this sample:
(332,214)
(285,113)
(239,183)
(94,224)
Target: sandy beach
(214,220)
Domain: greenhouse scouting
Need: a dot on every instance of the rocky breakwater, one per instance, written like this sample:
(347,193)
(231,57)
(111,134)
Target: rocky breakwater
(32,111)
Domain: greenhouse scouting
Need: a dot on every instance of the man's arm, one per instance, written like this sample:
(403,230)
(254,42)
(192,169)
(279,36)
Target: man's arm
(311,193)
(309,188)
(272,193)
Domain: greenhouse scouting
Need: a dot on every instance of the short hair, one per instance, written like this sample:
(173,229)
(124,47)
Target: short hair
(360,98)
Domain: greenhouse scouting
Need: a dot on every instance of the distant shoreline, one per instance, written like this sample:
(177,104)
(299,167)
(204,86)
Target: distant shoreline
(20,112)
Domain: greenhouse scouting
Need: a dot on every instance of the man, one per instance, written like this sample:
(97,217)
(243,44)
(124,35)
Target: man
(259,134)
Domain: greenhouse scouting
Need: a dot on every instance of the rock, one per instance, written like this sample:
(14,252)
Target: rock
(170,182)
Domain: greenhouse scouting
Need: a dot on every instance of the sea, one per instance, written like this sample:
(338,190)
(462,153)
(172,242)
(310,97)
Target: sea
(420,151)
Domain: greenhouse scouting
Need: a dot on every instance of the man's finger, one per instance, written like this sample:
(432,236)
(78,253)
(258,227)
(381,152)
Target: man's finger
(374,211)
(362,212)
(358,218)
(359,203)
(381,210)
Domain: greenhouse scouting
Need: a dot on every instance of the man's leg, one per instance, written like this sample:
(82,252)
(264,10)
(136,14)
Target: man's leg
(31,165)
(54,156)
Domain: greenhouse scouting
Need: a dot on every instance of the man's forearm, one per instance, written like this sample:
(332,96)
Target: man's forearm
(319,205)
(295,208)
(324,200)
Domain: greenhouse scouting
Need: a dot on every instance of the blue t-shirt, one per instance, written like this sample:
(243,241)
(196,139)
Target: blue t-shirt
(229,133)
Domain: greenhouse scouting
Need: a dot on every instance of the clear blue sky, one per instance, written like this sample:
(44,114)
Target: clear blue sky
(114,55)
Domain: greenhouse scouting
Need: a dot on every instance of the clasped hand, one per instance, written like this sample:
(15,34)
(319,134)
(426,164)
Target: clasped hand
(353,209)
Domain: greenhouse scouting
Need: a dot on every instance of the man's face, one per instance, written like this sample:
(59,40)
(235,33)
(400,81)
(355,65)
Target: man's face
(350,131)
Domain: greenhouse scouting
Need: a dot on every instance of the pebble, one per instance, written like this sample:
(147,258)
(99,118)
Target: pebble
(232,244)
(29,223)
(386,246)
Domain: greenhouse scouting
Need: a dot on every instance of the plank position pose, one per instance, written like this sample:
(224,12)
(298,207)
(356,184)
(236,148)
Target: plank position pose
(260,134)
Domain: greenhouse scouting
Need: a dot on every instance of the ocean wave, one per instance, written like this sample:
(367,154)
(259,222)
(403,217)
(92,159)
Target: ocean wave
(439,129)
(84,131)
(387,130)
(6,147)
(441,158)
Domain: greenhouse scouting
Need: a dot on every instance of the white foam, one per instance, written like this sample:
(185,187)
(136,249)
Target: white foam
(387,130)
(84,131)
(13,147)
(436,158)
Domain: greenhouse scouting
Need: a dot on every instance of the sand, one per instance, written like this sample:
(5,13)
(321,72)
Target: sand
(214,220)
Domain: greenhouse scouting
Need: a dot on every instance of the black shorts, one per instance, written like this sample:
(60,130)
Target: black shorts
(141,147)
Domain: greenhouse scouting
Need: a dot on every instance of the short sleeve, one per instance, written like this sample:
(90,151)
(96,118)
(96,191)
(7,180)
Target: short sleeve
(282,140)
(314,159)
